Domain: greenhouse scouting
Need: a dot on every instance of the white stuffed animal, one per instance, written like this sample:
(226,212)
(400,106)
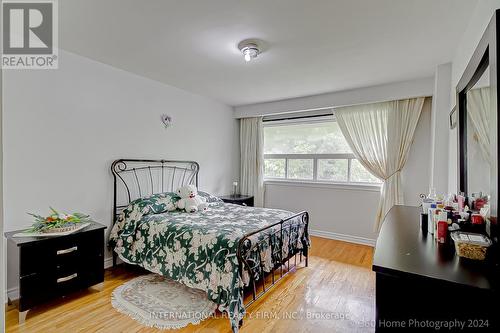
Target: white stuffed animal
(190,201)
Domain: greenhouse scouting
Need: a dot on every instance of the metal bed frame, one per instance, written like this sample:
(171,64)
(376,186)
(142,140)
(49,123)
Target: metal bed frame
(136,178)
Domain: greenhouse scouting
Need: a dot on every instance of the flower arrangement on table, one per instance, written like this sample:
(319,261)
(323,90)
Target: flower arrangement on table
(58,222)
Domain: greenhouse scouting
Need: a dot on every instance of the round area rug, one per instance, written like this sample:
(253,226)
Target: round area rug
(155,301)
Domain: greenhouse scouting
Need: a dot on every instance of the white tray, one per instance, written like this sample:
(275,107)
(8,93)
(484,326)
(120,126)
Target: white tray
(50,234)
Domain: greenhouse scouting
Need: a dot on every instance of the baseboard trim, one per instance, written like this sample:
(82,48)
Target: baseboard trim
(108,263)
(13,293)
(343,237)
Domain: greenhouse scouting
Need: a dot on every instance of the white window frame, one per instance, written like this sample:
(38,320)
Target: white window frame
(315,157)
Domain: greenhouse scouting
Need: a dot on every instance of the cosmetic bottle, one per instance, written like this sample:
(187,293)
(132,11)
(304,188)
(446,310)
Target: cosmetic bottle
(430,219)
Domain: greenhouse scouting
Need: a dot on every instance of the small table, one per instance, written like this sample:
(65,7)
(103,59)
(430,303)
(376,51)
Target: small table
(52,266)
(238,199)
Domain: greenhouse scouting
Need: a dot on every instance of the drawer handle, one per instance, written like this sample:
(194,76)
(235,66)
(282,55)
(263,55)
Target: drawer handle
(71,249)
(67,278)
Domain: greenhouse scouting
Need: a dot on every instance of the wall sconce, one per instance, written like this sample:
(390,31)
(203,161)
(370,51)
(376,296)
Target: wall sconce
(166,120)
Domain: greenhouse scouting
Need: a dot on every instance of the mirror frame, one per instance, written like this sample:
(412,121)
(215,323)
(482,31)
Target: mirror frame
(485,55)
(462,120)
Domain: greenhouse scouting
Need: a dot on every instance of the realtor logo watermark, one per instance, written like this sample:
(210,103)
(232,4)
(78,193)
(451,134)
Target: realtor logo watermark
(29,34)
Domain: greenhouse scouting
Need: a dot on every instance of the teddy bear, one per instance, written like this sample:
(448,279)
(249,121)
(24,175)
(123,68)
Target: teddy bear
(190,201)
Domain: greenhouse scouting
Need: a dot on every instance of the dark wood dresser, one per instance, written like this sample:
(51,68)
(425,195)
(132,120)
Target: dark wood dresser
(421,283)
(50,267)
(239,199)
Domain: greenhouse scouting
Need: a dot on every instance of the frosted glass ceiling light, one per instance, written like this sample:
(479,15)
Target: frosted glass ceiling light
(249,49)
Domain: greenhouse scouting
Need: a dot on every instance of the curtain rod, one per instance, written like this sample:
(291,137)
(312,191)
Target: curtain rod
(298,117)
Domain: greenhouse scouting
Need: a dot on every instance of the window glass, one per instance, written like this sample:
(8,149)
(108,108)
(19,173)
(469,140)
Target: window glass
(305,138)
(360,174)
(300,169)
(294,150)
(333,169)
(274,168)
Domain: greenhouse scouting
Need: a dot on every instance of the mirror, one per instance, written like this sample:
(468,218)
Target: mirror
(478,121)
(478,115)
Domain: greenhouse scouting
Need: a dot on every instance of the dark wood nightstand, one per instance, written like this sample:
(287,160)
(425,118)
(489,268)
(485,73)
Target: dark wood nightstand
(53,266)
(243,200)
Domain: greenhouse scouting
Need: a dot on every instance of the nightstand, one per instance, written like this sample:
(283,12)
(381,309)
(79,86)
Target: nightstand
(243,200)
(54,266)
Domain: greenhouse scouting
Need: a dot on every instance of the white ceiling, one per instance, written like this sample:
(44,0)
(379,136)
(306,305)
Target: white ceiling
(314,46)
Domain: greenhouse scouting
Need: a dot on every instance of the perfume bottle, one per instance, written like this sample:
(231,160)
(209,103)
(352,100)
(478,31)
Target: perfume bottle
(432,193)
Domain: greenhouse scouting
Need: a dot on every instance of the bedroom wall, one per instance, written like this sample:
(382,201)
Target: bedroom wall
(477,25)
(384,92)
(347,212)
(63,128)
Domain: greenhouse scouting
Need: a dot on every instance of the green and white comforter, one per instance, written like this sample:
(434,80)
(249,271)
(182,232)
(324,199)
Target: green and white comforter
(200,249)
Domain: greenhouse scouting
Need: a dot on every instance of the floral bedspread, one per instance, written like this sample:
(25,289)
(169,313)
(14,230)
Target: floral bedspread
(200,249)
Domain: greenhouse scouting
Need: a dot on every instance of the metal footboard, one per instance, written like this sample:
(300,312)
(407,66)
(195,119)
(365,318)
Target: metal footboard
(276,239)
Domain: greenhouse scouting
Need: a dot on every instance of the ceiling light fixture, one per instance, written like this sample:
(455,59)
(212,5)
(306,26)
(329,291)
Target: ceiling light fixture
(249,48)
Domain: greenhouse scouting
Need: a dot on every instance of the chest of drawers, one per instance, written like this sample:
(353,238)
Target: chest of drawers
(55,266)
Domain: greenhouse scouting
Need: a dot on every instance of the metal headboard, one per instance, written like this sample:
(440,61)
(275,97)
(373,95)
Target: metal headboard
(133,179)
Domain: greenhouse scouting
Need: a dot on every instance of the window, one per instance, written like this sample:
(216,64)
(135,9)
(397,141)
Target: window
(310,151)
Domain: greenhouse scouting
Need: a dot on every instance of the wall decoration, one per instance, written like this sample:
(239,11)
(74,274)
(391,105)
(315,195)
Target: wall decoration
(166,120)
(453,118)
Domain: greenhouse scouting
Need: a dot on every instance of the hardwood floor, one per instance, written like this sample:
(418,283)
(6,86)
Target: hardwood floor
(336,293)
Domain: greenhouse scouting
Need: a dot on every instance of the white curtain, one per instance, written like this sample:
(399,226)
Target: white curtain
(478,110)
(380,136)
(252,159)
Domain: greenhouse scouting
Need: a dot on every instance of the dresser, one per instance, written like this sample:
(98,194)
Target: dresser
(420,282)
(54,266)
